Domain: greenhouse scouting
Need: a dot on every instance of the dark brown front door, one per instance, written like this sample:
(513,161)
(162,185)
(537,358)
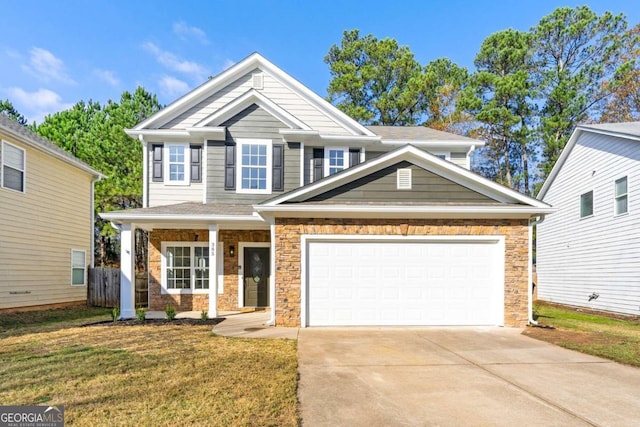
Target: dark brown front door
(256,277)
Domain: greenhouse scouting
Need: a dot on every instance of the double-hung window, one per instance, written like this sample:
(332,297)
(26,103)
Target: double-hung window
(586,204)
(254,166)
(621,196)
(78,267)
(335,160)
(177,164)
(13,167)
(185,266)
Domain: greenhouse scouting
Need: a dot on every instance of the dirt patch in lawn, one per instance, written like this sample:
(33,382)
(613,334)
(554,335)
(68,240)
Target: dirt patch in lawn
(560,336)
(157,322)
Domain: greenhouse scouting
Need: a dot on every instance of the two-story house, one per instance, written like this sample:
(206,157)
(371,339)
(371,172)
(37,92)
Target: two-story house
(46,221)
(588,253)
(259,193)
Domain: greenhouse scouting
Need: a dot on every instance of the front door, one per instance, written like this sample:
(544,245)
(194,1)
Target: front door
(256,277)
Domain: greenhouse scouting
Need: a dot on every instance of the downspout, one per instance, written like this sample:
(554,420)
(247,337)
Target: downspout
(533,223)
(92,245)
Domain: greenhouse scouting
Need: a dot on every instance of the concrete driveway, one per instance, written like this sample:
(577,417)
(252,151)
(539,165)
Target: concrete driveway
(457,377)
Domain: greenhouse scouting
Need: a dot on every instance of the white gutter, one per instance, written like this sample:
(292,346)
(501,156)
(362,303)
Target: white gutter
(530,270)
(304,208)
(177,217)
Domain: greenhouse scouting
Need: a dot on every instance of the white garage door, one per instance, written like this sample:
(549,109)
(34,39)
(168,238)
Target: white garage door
(362,283)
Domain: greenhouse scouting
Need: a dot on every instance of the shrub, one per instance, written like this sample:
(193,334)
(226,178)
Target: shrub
(115,313)
(204,315)
(141,314)
(170,311)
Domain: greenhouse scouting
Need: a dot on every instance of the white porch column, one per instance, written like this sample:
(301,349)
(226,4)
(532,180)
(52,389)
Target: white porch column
(213,271)
(127,272)
(272,268)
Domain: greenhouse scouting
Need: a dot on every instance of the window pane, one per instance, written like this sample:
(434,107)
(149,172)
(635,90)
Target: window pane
(77,276)
(586,204)
(13,179)
(77,259)
(621,186)
(13,157)
(621,205)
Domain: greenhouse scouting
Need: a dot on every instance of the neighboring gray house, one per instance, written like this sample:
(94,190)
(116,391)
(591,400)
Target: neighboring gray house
(588,252)
(259,193)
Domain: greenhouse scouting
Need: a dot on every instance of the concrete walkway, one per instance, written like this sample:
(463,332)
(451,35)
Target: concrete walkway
(252,325)
(457,377)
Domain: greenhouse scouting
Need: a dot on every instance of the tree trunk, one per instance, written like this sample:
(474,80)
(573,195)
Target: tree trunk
(507,163)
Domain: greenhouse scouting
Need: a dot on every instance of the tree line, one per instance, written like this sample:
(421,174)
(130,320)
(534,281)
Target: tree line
(528,91)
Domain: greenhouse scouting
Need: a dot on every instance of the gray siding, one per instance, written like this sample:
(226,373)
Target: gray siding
(381,187)
(253,122)
(600,254)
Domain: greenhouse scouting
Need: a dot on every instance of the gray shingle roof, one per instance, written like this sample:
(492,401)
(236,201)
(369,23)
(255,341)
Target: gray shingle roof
(624,128)
(190,208)
(21,132)
(417,133)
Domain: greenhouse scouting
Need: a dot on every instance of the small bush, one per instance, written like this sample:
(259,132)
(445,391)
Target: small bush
(115,313)
(204,315)
(170,311)
(141,314)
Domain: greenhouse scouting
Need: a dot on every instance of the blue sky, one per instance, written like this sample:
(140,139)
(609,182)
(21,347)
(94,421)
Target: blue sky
(56,53)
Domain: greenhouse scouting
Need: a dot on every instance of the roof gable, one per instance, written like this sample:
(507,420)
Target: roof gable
(243,70)
(413,155)
(627,130)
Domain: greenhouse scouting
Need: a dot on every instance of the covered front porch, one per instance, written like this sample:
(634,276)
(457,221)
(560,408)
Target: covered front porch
(213,258)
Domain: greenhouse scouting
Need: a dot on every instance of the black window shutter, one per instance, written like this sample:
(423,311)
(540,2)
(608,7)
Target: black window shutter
(156,152)
(318,163)
(196,163)
(230,167)
(278,168)
(354,156)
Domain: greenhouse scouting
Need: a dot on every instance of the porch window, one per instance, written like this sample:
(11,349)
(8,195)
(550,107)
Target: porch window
(186,266)
(78,267)
(254,171)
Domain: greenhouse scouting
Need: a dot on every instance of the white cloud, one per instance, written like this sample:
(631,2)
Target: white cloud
(184,31)
(170,86)
(47,67)
(174,63)
(36,105)
(107,76)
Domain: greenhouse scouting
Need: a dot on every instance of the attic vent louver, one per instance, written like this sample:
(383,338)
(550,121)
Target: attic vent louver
(404,179)
(258,81)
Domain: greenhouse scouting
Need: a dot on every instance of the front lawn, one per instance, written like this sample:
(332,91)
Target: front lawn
(146,375)
(598,335)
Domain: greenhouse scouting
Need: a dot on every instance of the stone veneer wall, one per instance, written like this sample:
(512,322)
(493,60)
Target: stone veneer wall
(288,254)
(188,302)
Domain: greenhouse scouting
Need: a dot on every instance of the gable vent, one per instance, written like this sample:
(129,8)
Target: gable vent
(404,179)
(258,81)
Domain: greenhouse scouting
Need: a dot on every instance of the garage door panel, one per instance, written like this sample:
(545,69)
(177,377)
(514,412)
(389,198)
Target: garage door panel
(400,283)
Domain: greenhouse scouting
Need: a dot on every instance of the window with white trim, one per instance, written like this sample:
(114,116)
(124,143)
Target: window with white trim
(78,267)
(13,167)
(177,164)
(254,166)
(335,160)
(586,204)
(185,266)
(621,196)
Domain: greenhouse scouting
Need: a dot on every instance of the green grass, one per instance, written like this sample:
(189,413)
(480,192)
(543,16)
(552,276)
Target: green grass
(146,375)
(38,321)
(598,335)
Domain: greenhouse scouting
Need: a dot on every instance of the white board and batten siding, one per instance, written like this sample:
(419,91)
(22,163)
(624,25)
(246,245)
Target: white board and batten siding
(273,90)
(600,254)
(38,230)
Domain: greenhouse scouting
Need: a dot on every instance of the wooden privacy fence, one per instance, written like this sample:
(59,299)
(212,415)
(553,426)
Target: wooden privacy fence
(104,288)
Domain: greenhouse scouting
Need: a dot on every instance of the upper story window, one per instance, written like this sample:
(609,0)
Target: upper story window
(177,166)
(621,196)
(335,160)
(176,163)
(586,204)
(13,167)
(254,166)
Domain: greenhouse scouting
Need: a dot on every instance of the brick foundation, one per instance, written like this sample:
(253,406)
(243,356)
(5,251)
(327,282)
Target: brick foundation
(288,255)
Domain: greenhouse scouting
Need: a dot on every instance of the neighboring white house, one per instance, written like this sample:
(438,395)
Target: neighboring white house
(588,252)
(46,221)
